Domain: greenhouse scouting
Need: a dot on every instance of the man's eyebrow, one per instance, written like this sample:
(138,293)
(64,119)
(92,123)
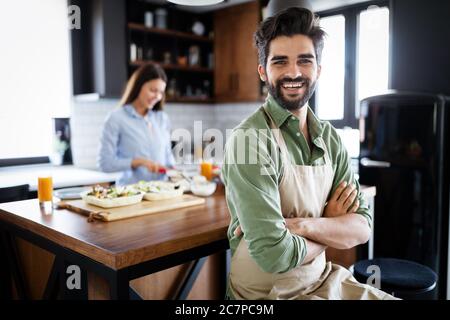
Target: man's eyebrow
(306,56)
(275,58)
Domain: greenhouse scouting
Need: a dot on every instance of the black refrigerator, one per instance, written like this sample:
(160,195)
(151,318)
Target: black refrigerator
(404,152)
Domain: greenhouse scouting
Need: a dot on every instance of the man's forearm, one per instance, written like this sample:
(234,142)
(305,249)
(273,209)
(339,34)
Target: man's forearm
(341,232)
(313,249)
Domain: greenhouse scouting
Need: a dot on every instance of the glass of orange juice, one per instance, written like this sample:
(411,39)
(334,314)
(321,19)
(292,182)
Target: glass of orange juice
(206,169)
(45,193)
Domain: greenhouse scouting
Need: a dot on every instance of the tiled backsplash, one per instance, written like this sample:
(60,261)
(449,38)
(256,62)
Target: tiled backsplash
(88,117)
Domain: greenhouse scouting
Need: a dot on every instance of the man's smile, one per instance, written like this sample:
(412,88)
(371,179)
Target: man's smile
(292,89)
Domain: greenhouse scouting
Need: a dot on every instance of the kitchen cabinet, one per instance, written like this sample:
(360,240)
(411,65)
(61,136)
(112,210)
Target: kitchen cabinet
(236,77)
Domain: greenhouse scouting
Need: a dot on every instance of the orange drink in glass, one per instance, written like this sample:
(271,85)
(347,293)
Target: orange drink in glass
(206,169)
(45,193)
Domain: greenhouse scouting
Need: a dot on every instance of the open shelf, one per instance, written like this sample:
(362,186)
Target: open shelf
(190,100)
(168,32)
(138,63)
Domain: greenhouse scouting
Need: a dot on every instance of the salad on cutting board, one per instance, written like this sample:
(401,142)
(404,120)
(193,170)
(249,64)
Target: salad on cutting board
(159,190)
(112,196)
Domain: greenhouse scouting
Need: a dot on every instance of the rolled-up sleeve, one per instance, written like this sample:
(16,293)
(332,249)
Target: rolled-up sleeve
(108,159)
(254,202)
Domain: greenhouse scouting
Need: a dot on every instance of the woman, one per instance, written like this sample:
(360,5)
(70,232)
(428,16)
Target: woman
(136,136)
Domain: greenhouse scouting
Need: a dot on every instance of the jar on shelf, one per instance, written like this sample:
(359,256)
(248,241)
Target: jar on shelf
(172,88)
(133,52)
(194,55)
(148,19)
(161,18)
(167,58)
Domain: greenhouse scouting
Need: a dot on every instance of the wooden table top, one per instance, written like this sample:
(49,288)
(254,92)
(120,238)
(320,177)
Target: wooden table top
(126,242)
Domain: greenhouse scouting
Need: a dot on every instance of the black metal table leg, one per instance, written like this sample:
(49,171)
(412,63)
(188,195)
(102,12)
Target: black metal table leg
(119,285)
(192,274)
(5,272)
(13,261)
(52,287)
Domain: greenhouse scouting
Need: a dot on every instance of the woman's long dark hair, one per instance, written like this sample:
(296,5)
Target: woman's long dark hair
(143,74)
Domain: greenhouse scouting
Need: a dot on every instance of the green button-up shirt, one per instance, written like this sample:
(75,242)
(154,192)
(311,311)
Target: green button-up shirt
(252,171)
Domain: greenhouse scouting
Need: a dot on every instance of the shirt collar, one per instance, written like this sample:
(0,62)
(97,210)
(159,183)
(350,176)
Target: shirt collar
(132,112)
(281,115)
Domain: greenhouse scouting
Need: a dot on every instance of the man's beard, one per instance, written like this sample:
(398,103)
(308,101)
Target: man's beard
(292,104)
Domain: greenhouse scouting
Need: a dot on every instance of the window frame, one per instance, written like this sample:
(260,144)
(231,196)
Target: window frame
(351,15)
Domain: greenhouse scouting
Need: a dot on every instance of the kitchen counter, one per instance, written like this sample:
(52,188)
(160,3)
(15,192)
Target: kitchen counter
(63,176)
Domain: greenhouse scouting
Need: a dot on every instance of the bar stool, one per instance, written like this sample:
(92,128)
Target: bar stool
(402,278)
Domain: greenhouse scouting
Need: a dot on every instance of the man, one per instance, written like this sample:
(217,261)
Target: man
(289,187)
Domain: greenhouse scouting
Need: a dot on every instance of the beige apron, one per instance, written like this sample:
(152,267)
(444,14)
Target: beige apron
(303,193)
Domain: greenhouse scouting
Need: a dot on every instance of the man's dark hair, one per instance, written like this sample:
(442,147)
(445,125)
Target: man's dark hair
(289,22)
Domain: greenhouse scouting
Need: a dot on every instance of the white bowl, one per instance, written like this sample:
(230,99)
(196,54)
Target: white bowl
(203,189)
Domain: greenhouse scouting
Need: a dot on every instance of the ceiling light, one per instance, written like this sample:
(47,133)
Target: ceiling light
(276,6)
(195,2)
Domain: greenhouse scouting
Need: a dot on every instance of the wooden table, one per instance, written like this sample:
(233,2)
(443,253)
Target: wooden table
(128,249)
(118,251)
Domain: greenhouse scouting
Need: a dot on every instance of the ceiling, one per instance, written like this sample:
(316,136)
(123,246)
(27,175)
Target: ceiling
(318,5)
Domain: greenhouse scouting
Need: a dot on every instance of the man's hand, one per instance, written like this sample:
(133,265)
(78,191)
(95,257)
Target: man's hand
(238,231)
(341,201)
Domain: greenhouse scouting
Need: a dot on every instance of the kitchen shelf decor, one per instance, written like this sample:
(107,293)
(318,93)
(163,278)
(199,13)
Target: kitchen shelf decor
(181,42)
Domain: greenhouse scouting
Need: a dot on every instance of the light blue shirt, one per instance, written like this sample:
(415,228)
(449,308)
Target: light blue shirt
(127,135)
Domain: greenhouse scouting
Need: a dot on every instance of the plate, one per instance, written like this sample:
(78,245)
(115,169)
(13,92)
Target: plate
(112,203)
(70,193)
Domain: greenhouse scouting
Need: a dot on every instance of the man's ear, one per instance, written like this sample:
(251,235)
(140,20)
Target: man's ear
(262,73)
(319,70)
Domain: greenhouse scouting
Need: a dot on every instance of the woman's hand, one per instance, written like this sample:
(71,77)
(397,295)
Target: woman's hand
(341,201)
(151,166)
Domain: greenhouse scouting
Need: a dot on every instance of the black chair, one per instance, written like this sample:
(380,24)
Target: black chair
(14,193)
(402,278)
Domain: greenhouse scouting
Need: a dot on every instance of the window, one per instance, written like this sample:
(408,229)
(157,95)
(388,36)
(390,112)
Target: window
(355,61)
(330,97)
(35,75)
(373,53)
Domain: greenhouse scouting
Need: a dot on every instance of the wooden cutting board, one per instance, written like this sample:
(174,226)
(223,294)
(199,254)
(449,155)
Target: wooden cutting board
(142,208)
